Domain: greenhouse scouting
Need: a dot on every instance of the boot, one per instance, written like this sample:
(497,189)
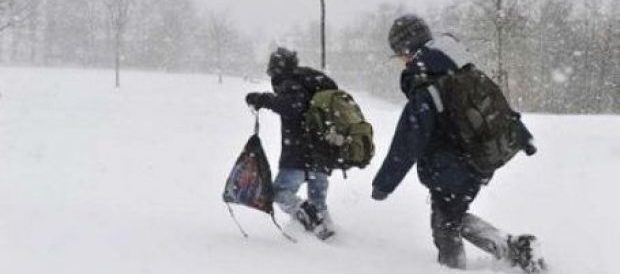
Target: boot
(313,221)
(324,229)
(524,251)
(307,216)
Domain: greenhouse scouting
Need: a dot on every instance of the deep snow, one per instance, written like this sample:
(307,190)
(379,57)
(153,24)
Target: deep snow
(99,180)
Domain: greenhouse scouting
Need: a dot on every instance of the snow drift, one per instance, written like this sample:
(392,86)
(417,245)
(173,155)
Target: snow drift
(99,180)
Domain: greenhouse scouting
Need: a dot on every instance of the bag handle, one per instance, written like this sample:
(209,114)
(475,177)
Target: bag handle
(232,214)
(256,122)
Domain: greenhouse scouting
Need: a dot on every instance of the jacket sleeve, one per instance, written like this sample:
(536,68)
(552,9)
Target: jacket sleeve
(411,138)
(524,135)
(290,101)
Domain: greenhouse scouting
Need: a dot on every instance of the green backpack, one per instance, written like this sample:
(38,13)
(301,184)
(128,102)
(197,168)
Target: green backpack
(479,119)
(340,136)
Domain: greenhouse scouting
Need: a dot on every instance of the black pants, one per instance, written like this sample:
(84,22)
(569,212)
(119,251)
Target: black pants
(451,223)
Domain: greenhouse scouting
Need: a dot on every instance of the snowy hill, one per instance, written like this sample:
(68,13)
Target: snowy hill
(98,180)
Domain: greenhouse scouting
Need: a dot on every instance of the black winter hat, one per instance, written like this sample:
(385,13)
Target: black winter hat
(282,61)
(408,34)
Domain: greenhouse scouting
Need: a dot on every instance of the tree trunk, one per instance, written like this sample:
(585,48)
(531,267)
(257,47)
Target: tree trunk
(32,38)
(542,83)
(586,66)
(117,65)
(220,79)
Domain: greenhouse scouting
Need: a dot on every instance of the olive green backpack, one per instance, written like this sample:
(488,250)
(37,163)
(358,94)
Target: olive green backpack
(341,137)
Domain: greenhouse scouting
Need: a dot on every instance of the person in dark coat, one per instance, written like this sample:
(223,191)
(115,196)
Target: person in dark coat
(452,183)
(293,88)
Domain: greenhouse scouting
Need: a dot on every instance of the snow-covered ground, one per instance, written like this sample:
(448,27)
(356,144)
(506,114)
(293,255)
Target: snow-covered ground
(98,180)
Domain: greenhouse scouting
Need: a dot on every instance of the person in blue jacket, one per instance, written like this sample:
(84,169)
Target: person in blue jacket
(452,183)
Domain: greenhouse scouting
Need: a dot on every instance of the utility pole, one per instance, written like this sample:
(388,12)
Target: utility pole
(500,22)
(323,35)
(118,13)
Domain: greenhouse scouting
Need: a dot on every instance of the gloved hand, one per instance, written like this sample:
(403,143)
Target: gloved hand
(379,195)
(530,149)
(255,99)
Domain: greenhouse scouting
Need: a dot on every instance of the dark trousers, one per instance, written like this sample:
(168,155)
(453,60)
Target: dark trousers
(451,223)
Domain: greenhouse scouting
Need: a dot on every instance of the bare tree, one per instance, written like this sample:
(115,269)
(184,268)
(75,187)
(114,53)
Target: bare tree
(506,18)
(222,37)
(492,28)
(363,45)
(118,15)
(15,18)
(553,59)
(589,31)
(94,21)
(13,12)
(614,37)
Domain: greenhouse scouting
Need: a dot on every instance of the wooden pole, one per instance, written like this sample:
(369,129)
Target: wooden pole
(323,62)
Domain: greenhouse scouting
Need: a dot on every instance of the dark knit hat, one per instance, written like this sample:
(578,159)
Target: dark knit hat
(282,61)
(408,34)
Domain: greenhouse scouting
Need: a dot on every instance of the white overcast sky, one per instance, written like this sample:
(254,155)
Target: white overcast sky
(270,18)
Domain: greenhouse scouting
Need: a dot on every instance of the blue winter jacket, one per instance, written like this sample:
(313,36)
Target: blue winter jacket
(418,137)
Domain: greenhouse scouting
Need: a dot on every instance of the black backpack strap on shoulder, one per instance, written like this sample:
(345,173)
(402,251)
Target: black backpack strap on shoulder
(288,237)
(232,214)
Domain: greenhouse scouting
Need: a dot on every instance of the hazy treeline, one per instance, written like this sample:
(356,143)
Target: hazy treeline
(170,35)
(558,56)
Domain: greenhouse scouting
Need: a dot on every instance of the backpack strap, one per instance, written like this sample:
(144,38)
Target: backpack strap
(436,98)
(256,123)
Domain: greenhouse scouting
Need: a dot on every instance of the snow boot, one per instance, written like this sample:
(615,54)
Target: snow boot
(313,221)
(324,229)
(307,216)
(524,251)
